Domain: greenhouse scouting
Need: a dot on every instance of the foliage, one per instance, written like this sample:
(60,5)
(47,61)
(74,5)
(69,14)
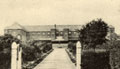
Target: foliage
(5,50)
(72,47)
(6,41)
(93,33)
(114,48)
(92,60)
(31,51)
(114,53)
(35,49)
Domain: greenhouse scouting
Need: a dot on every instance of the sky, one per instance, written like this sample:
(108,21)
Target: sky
(60,12)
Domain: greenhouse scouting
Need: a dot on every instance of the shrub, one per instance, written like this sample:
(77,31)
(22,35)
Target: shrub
(29,53)
(114,54)
(5,50)
(35,50)
(92,60)
(72,47)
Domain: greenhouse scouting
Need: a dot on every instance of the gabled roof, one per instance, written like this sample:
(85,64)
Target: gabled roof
(43,27)
(39,28)
(15,26)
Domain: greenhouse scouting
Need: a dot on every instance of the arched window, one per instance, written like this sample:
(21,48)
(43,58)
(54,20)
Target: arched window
(19,37)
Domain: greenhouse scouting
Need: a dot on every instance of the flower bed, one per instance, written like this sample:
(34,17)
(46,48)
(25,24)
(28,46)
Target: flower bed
(35,53)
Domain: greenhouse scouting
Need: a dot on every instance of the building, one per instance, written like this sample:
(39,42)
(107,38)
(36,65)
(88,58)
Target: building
(54,33)
(111,35)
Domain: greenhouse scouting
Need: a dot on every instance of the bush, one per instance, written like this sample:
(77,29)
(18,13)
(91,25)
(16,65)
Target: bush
(92,60)
(5,50)
(114,47)
(47,47)
(35,50)
(72,47)
(29,53)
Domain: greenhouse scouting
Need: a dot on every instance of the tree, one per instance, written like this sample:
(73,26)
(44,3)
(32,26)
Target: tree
(93,33)
(6,41)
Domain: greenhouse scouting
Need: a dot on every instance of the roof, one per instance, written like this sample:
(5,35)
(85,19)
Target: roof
(44,27)
(15,26)
(39,28)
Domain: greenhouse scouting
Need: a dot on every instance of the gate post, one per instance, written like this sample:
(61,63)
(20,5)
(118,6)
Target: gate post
(14,55)
(78,55)
(19,64)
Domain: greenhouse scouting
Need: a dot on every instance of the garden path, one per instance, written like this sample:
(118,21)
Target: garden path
(58,59)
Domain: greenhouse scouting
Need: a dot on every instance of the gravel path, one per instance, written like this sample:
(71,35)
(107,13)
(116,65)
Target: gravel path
(58,59)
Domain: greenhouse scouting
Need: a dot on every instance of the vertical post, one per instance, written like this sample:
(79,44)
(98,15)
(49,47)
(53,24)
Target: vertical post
(14,55)
(78,55)
(19,61)
(55,31)
(19,58)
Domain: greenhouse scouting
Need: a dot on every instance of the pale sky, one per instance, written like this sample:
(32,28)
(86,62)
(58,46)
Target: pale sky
(42,12)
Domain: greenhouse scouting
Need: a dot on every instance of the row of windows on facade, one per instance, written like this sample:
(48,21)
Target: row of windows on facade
(7,31)
(34,36)
(44,33)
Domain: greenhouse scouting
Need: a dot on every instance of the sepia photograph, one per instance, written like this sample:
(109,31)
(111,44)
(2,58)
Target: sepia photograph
(59,34)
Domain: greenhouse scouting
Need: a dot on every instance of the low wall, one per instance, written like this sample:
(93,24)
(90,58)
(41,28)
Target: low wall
(61,45)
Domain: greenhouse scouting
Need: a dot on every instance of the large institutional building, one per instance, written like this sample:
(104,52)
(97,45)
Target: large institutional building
(54,33)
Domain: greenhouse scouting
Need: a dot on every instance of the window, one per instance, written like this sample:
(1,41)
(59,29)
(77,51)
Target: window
(13,33)
(66,33)
(6,31)
(10,31)
(61,32)
(74,32)
(43,33)
(48,36)
(19,37)
(69,32)
(48,33)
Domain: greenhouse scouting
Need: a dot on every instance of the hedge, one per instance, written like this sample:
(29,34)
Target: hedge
(91,59)
(31,51)
(34,52)
(5,50)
